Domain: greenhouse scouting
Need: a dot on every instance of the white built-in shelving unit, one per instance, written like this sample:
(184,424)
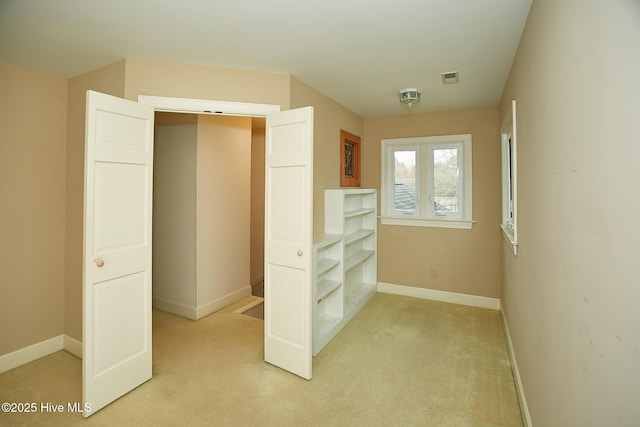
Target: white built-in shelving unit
(345,261)
(328,295)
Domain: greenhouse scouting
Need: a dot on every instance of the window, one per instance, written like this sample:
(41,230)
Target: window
(426,181)
(509,223)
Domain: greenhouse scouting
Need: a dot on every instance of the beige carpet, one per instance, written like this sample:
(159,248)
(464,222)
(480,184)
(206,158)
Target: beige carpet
(399,362)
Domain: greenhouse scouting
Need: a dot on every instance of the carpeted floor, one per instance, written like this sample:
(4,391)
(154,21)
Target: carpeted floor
(400,362)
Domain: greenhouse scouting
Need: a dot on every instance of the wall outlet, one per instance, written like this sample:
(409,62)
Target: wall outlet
(434,273)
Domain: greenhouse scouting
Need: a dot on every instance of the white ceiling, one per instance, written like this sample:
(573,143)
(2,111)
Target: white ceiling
(358,52)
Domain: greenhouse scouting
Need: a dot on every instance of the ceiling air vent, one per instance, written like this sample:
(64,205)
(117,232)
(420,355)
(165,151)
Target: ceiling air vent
(450,77)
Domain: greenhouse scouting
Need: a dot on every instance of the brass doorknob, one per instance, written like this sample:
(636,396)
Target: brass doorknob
(299,252)
(99,262)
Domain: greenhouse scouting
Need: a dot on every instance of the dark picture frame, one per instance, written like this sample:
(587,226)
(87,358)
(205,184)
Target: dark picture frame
(349,159)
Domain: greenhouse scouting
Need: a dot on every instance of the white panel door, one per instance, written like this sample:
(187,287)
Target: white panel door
(116,345)
(288,240)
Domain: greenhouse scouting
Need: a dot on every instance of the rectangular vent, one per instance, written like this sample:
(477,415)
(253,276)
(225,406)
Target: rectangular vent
(450,77)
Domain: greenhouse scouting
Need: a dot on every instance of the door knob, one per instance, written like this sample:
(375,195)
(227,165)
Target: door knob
(299,252)
(99,262)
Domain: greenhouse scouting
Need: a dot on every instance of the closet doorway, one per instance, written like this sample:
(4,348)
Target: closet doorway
(208,221)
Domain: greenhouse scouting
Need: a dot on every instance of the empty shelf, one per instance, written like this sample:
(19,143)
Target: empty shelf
(358,212)
(325,288)
(326,264)
(357,259)
(326,322)
(358,235)
(358,296)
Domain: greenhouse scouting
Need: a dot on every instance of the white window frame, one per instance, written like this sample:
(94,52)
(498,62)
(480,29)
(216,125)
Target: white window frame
(424,215)
(509,224)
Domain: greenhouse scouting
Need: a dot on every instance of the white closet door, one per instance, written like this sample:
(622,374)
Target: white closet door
(116,342)
(288,240)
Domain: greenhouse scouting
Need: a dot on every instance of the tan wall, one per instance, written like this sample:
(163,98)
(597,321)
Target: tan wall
(193,81)
(109,80)
(571,294)
(223,206)
(33,121)
(468,260)
(174,208)
(329,118)
(257,199)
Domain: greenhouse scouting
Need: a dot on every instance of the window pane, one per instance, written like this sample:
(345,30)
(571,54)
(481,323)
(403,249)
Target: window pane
(404,180)
(445,180)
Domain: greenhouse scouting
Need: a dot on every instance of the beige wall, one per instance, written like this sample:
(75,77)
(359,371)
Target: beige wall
(571,294)
(109,80)
(193,81)
(33,120)
(468,260)
(257,199)
(174,208)
(329,118)
(223,206)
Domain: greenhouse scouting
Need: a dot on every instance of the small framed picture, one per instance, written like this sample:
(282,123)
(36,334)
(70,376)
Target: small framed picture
(349,159)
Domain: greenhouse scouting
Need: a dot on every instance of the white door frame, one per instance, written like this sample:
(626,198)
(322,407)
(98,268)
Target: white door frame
(208,106)
(298,364)
(275,345)
(205,106)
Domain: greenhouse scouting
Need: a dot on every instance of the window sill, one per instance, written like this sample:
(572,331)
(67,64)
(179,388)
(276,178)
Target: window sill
(443,223)
(507,232)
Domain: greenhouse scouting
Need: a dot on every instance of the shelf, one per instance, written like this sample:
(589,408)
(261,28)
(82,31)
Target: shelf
(357,259)
(358,235)
(358,212)
(323,240)
(325,288)
(358,296)
(326,322)
(326,264)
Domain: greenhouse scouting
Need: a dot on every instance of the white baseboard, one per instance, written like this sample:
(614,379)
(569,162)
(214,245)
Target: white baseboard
(73,346)
(524,409)
(195,313)
(256,301)
(431,294)
(218,303)
(41,349)
(29,354)
(175,308)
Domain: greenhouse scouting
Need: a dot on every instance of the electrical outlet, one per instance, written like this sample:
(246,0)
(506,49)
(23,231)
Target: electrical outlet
(434,273)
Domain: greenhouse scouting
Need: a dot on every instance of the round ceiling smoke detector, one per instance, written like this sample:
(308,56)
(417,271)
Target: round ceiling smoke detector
(410,96)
